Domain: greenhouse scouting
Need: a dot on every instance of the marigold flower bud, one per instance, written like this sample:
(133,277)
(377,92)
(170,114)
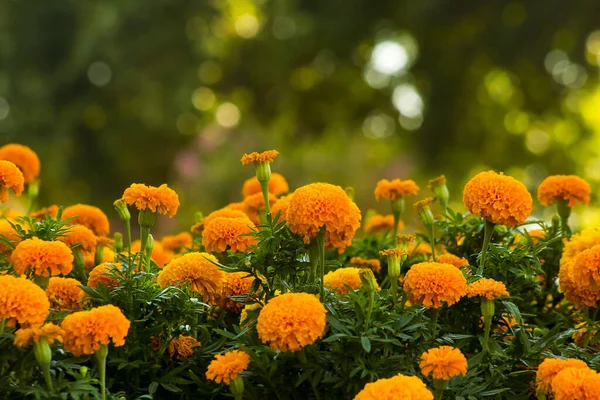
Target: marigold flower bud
(83,371)
(34,188)
(367,279)
(42,351)
(150,244)
(118,242)
(440,190)
(122,210)
(425,211)
(350,192)
(394,257)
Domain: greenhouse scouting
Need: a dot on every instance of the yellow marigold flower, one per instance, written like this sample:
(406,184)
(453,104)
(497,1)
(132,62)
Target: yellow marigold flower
(204,276)
(177,243)
(42,257)
(254,157)
(430,284)
(88,216)
(488,288)
(9,233)
(65,294)
(240,206)
(89,260)
(256,203)
(372,263)
(52,211)
(534,234)
(226,212)
(341,277)
(244,314)
(80,234)
(382,223)
(282,204)
(498,198)
(321,204)
(579,242)
(102,274)
(576,293)
(10,178)
(226,367)
(22,301)
(26,337)
(579,336)
(399,387)
(235,284)
(395,188)
(570,188)
(451,259)
(277,185)
(576,383)
(586,270)
(162,199)
(10,214)
(182,347)
(159,255)
(419,249)
(443,363)
(548,369)
(24,158)
(86,331)
(291,321)
(393,252)
(228,233)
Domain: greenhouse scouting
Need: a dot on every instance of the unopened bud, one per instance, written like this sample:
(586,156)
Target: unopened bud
(122,210)
(425,211)
(367,279)
(440,190)
(118,242)
(350,192)
(150,244)
(198,216)
(83,371)
(42,351)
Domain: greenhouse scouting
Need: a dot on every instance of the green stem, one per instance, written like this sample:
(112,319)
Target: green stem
(396,221)
(432,240)
(371,300)
(265,191)
(435,313)
(321,244)
(128,236)
(101,360)
(487,236)
(487,323)
(79,264)
(2,322)
(564,224)
(313,254)
(438,395)
(394,289)
(301,356)
(47,376)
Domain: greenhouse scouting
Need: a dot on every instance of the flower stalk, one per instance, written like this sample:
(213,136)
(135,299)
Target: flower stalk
(487,236)
(101,355)
(43,355)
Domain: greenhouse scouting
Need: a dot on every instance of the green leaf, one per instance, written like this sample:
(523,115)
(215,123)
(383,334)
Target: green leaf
(171,388)
(152,387)
(366,343)
(514,310)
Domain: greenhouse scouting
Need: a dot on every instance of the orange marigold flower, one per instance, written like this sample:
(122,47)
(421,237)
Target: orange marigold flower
(498,198)
(159,255)
(22,301)
(443,363)
(52,211)
(430,284)
(204,276)
(395,188)
(86,331)
(42,257)
(8,232)
(488,288)
(570,188)
(65,294)
(580,335)
(26,337)
(321,204)
(579,242)
(586,270)
(88,216)
(182,347)
(235,284)
(576,383)
(89,260)
(228,233)
(534,234)
(177,243)
(10,178)
(162,199)
(79,234)
(226,212)
(103,274)
(341,277)
(24,158)
(399,387)
(277,185)
(226,367)
(382,223)
(372,263)
(291,321)
(576,293)
(419,249)
(451,259)
(281,207)
(248,307)
(254,157)
(197,228)
(548,369)
(256,203)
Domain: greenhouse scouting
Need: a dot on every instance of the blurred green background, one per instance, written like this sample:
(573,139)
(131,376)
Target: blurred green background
(114,92)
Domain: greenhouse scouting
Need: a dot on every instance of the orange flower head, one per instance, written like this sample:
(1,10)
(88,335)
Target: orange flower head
(248,307)
(575,292)
(177,243)
(235,284)
(89,216)
(550,367)
(338,279)
(204,276)
(372,263)
(579,242)
(159,255)
(86,331)
(197,228)
(22,301)
(108,256)
(26,337)
(586,270)
(576,383)
(162,199)
(395,188)
(264,157)
(65,294)
(488,288)
(323,205)
(11,177)
(79,234)
(570,188)
(9,233)
(226,367)
(277,185)
(443,363)
(228,233)
(382,223)
(39,215)
(291,321)
(102,274)
(281,207)
(451,259)
(399,387)
(431,284)
(226,212)
(256,203)
(24,158)
(42,257)
(182,347)
(498,198)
